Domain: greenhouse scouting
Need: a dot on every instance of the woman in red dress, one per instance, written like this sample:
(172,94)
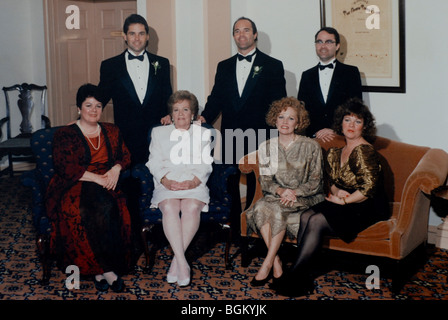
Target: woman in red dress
(91,225)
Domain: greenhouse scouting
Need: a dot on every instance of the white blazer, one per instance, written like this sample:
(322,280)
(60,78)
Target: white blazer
(180,155)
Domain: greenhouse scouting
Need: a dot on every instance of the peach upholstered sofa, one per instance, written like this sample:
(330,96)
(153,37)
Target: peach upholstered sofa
(410,174)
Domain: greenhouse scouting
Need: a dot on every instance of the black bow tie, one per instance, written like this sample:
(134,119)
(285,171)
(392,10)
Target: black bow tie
(248,58)
(132,57)
(322,67)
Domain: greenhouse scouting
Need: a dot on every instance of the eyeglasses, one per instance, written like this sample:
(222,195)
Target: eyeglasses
(327,42)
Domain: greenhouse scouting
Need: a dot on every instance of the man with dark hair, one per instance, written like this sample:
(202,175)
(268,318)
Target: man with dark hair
(139,85)
(326,86)
(245,86)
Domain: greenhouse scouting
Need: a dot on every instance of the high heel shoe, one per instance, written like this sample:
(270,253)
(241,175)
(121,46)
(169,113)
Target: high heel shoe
(295,286)
(101,285)
(184,282)
(118,285)
(276,282)
(171,279)
(258,283)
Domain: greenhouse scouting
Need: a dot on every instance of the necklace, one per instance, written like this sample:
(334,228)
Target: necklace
(290,142)
(90,133)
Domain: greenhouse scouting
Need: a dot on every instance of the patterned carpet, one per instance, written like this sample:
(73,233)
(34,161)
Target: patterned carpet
(20,270)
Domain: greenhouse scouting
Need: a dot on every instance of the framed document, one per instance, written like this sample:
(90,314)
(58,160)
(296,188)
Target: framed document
(372,38)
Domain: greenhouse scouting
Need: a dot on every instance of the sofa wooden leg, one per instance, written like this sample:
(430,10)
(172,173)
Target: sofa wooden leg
(146,232)
(43,248)
(228,229)
(397,278)
(245,252)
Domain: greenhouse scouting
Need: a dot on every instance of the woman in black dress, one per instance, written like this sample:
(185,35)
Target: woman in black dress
(356,199)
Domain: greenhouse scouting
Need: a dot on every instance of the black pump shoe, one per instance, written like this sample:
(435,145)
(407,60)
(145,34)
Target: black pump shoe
(101,285)
(277,282)
(117,285)
(294,286)
(258,283)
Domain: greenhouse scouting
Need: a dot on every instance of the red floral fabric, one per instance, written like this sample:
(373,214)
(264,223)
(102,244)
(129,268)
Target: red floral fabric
(74,235)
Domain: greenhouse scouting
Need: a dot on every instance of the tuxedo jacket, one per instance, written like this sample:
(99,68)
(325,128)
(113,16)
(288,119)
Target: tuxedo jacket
(131,116)
(265,84)
(345,84)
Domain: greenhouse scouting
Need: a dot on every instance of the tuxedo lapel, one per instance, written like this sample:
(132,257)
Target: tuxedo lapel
(335,79)
(151,79)
(234,83)
(316,85)
(127,81)
(254,75)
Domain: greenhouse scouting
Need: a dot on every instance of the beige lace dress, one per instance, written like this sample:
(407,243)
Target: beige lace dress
(298,167)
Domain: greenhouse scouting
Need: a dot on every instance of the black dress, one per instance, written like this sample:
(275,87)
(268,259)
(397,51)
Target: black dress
(362,172)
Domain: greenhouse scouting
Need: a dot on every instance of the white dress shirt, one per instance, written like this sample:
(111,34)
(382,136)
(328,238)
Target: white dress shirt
(139,72)
(243,68)
(325,78)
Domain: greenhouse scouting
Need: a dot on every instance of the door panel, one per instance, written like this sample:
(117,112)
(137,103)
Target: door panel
(74,55)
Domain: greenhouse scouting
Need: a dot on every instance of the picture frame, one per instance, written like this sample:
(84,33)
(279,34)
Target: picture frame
(372,38)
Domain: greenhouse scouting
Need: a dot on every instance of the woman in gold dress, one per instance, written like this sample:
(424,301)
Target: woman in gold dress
(356,199)
(291,174)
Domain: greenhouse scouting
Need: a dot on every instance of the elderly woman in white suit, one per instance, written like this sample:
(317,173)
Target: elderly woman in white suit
(180,162)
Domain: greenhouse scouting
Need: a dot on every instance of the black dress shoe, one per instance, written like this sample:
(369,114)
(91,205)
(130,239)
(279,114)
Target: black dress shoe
(293,286)
(258,283)
(277,282)
(101,285)
(117,285)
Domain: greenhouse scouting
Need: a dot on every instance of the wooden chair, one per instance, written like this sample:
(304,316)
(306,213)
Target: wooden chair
(18,148)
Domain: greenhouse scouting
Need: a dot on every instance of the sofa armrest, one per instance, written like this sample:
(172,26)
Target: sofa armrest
(218,182)
(412,219)
(141,172)
(38,187)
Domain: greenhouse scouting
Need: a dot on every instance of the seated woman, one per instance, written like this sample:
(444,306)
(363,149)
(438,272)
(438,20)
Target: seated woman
(291,173)
(356,199)
(89,218)
(180,162)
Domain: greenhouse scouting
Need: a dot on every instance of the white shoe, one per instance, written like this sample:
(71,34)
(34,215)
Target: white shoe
(171,279)
(184,282)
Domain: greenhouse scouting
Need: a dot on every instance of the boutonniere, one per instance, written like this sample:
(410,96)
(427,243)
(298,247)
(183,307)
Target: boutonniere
(156,66)
(257,70)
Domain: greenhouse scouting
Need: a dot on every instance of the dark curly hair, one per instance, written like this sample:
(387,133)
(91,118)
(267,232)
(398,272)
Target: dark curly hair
(356,107)
(299,106)
(85,91)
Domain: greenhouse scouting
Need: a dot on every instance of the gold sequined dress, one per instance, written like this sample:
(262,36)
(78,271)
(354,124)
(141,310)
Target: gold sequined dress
(362,172)
(298,167)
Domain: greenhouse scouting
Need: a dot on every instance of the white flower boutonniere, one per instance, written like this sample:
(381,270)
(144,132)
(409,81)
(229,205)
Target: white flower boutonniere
(156,66)
(257,70)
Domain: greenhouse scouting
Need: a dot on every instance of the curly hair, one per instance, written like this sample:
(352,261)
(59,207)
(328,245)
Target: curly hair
(299,106)
(356,107)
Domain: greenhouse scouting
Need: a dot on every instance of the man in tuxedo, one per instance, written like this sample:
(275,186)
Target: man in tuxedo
(139,85)
(245,86)
(326,86)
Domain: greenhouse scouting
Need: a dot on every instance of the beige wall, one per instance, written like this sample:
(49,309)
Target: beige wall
(161,16)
